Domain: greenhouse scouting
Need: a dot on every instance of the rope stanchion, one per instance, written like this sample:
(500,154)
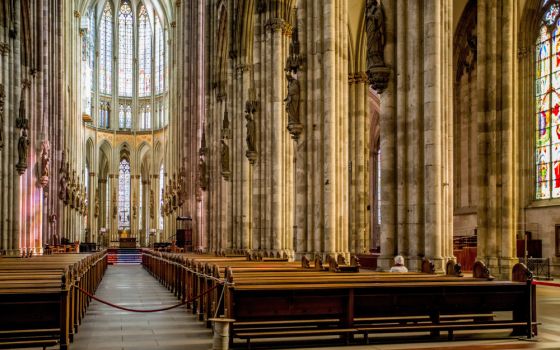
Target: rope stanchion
(146,311)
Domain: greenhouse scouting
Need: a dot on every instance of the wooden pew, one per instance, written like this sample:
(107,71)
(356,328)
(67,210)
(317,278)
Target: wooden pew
(39,301)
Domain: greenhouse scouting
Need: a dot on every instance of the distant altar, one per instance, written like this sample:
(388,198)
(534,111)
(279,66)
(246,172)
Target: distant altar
(125,241)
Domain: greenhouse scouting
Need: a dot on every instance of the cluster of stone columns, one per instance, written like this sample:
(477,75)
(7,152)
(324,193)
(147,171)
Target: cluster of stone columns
(30,112)
(416,134)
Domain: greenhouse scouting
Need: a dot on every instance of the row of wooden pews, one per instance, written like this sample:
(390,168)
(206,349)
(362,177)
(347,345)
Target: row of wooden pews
(278,299)
(39,301)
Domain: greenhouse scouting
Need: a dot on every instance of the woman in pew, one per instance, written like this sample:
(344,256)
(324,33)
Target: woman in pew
(399,265)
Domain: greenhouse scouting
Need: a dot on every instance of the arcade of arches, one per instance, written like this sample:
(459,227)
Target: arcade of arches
(285,127)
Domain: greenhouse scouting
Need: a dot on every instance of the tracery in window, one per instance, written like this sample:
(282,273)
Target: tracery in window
(145,117)
(124,195)
(125,49)
(106,50)
(125,117)
(160,58)
(104,114)
(144,54)
(547,90)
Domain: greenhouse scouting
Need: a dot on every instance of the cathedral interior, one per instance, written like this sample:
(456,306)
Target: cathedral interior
(284,129)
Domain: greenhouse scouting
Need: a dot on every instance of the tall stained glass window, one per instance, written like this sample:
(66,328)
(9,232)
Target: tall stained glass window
(88,50)
(160,58)
(547,118)
(124,195)
(161,181)
(144,54)
(125,49)
(106,49)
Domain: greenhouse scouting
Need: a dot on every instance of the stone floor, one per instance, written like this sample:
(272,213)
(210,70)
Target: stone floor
(106,328)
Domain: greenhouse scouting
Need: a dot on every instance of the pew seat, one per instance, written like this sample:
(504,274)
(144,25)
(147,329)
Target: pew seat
(12,339)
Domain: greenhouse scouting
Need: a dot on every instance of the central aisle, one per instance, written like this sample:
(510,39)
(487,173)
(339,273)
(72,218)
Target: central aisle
(132,286)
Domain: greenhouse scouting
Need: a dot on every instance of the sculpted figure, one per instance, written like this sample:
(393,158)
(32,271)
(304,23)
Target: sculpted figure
(45,158)
(375,30)
(23,147)
(292,100)
(225,157)
(251,132)
(202,176)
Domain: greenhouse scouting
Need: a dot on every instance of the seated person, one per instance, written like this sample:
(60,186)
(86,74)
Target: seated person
(399,265)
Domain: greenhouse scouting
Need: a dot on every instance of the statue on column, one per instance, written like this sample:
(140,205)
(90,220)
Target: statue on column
(96,209)
(202,174)
(23,147)
(224,155)
(378,73)
(292,100)
(375,30)
(22,122)
(45,162)
(134,207)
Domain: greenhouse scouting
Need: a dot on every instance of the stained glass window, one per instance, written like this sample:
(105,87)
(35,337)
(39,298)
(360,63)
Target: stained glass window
(547,118)
(124,195)
(144,54)
(125,117)
(161,181)
(106,50)
(160,58)
(104,114)
(88,49)
(145,117)
(125,49)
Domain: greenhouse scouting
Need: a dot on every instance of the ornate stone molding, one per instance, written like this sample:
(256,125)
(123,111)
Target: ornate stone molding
(378,78)
(226,130)
(4,49)
(277,24)
(203,149)
(77,14)
(358,78)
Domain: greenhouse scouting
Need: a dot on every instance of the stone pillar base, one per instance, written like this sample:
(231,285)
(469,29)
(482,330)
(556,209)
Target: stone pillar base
(500,267)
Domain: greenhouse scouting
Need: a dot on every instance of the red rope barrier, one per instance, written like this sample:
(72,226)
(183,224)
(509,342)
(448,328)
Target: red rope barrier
(136,310)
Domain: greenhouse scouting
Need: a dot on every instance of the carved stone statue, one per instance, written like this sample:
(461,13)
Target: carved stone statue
(45,162)
(45,158)
(22,121)
(202,174)
(152,199)
(375,30)
(96,209)
(251,132)
(62,162)
(292,100)
(23,147)
(225,159)
(63,182)
(134,209)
